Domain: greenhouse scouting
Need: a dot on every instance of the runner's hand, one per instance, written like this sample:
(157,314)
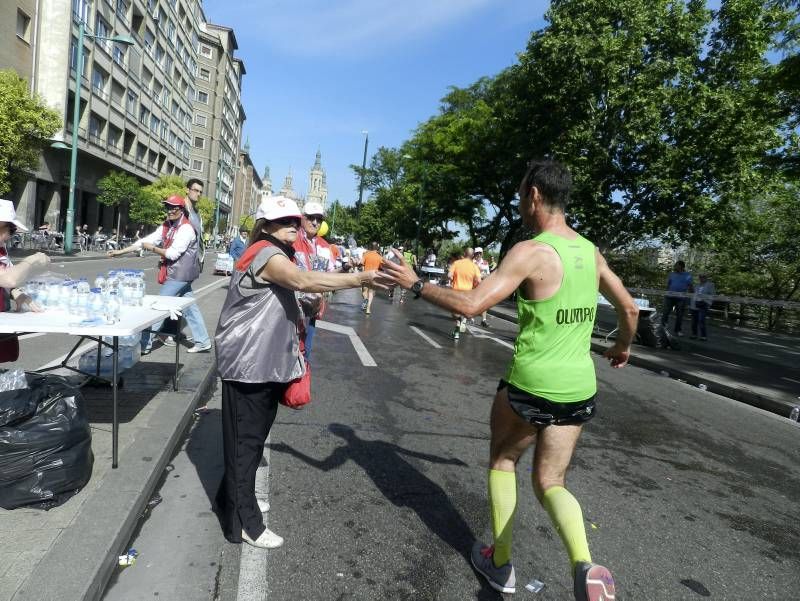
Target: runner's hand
(618,355)
(26,303)
(37,260)
(375,279)
(399,273)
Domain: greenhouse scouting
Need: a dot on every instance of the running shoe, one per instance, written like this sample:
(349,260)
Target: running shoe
(456,334)
(363,305)
(463,326)
(500,579)
(167,340)
(200,348)
(263,506)
(485,323)
(267,540)
(593,583)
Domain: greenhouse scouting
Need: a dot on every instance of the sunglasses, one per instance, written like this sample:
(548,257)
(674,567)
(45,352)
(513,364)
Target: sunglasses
(171,208)
(318,218)
(287,221)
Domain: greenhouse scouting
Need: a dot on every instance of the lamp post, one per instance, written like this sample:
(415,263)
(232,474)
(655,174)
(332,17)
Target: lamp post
(76,112)
(363,169)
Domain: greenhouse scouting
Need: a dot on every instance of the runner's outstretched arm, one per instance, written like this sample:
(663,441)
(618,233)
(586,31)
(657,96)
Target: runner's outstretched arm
(627,312)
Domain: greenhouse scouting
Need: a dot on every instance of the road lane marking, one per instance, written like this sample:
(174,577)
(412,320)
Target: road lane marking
(425,337)
(790,379)
(252,560)
(358,345)
(216,284)
(715,359)
(478,333)
(80,351)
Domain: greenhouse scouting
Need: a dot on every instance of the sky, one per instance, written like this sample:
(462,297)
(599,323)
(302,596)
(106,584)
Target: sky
(319,72)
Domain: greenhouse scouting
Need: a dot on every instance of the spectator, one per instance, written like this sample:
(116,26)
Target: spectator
(679,280)
(238,245)
(176,244)
(701,303)
(258,353)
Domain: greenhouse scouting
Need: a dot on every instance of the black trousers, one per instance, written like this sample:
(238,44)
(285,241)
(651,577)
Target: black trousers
(248,412)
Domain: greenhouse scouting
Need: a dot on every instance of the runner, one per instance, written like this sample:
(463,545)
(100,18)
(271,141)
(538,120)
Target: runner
(464,276)
(372,261)
(548,391)
(483,268)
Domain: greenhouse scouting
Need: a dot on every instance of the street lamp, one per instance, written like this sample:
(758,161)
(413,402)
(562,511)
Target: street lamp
(363,169)
(76,111)
(419,216)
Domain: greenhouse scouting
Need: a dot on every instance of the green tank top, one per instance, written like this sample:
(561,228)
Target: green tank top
(552,352)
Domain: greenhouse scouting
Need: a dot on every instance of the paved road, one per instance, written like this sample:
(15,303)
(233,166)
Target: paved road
(379,487)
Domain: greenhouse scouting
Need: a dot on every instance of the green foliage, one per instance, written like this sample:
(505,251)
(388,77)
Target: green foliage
(247,221)
(118,188)
(205,208)
(148,207)
(26,125)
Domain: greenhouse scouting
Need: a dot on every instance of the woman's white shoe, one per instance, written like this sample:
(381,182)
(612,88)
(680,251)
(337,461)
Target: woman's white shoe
(267,540)
(263,506)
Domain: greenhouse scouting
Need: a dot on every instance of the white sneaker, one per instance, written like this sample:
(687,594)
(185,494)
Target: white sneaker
(200,348)
(463,326)
(267,540)
(263,506)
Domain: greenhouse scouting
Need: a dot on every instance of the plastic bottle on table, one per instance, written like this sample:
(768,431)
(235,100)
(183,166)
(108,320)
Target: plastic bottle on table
(139,288)
(83,289)
(74,304)
(112,308)
(101,282)
(65,295)
(95,305)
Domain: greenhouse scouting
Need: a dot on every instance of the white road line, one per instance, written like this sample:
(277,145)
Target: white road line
(479,333)
(358,345)
(715,359)
(252,560)
(34,335)
(216,284)
(790,379)
(425,337)
(81,349)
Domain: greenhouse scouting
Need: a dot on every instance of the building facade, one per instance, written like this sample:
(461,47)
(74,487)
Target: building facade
(136,102)
(248,189)
(218,119)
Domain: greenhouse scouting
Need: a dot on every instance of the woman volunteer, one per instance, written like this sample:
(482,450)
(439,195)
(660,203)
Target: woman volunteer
(12,276)
(258,354)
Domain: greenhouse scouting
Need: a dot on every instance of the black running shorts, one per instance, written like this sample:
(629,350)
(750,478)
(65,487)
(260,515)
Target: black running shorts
(541,412)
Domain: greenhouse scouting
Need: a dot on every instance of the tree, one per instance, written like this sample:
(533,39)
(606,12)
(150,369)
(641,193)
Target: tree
(148,207)
(26,125)
(118,189)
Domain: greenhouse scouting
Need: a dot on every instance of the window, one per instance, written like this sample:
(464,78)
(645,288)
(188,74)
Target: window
(168,63)
(206,51)
(23,26)
(119,54)
(200,119)
(81,9)
(202,96)
(122,9)
(199,142)
(96,125)
(159,53)
(164,131)
(114,136)
(155,123)
(131,103)
(144,116)
(205,74)
(197,165)
(73,57)
(102,29)
(141,151)
(99,79)
(149,40)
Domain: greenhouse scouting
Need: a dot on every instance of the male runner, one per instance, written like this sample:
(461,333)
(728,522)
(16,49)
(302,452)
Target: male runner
(464,275)
(548,391)
(372,260)
(483,266)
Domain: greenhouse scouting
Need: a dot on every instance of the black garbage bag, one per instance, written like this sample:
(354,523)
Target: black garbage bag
(652,333)
(45,455)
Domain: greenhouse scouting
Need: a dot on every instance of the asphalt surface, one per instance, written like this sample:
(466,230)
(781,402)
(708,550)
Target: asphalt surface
(379,486)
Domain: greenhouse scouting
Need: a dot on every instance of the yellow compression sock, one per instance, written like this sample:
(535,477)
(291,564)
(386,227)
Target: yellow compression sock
(565,513)
(502,504)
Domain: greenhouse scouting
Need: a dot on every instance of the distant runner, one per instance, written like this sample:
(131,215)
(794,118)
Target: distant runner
(464,275)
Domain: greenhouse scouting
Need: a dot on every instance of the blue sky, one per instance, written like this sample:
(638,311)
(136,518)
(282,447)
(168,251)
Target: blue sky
(319,72)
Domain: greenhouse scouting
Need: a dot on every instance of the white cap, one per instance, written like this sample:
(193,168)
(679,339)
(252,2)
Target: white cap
(478,249)
(9,215)
(275,207)
(313,208)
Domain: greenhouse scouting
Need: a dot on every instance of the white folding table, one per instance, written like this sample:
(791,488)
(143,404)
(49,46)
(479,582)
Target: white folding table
(133,320)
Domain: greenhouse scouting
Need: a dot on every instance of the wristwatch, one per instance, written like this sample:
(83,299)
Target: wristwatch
(416,288)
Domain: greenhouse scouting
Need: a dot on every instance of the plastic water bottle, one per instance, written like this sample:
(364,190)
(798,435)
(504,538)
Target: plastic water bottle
(65,295)
(83,289)
(101,283)
(74,304)
(112,308)
(794,414)
(139,288)
(95,305)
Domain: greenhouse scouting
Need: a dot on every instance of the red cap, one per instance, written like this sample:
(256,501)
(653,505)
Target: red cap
(176,201)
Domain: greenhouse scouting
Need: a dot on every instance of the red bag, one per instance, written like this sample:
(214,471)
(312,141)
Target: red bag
(298,392)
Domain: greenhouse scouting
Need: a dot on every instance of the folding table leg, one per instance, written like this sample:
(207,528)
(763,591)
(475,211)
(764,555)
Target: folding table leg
(177,352)
(115,416)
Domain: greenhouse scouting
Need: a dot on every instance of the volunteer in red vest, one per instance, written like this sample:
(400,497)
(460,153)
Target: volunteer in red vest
(14,276)
(177,244)
(258,343)
(314,253)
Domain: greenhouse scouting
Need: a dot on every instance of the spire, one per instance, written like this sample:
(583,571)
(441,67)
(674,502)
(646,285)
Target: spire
(317,163)
(266,173)
(247,145)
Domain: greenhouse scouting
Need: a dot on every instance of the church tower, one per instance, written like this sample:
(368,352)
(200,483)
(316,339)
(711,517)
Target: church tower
(287,190)
(317,183)
(266,184)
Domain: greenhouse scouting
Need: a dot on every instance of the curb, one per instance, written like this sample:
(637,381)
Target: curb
(82,560)
(736,393)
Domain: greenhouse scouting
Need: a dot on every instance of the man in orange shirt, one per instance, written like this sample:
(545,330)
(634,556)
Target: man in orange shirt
(372,260)
(464,275)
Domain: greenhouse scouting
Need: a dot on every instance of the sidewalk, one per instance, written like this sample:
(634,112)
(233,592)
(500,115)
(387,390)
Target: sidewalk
(752,366)
(70,552)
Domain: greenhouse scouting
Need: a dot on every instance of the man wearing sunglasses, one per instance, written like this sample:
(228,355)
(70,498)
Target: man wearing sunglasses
(194,189)
(313,253)
(176,243)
